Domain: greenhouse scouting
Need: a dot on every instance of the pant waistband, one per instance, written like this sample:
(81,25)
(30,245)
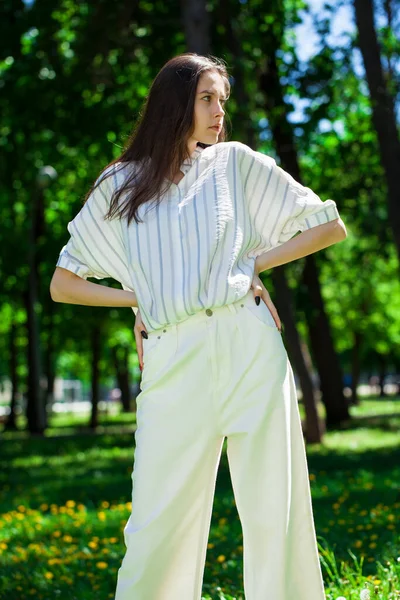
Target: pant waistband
(208,313)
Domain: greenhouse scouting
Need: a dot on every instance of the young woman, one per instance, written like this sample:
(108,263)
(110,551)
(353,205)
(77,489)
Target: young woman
(214,363)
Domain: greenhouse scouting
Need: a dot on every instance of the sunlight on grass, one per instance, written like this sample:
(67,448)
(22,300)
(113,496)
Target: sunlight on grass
(65,501)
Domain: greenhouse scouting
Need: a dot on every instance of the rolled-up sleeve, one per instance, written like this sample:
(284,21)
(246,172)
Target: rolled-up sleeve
(96,246)
(279,206)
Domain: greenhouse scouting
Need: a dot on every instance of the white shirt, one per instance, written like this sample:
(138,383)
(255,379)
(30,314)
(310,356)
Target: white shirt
(197,249)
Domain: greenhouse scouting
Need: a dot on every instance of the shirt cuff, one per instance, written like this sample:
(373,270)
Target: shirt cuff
(326,214)
(66,261)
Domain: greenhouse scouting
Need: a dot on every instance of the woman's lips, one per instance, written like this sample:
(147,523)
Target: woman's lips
(216,128)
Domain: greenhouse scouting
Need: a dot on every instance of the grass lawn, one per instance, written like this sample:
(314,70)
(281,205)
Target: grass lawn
(65,499)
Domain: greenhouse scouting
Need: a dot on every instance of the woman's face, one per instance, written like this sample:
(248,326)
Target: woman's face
(208,108)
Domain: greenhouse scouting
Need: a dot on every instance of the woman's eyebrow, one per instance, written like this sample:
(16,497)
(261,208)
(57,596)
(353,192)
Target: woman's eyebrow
(212,93)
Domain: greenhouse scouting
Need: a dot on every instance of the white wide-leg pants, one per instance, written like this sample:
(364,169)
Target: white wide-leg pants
(221,372)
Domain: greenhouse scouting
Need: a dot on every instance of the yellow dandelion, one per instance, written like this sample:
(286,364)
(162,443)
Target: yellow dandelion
(223,521)
(57,534)
(70,503)
(92,545)
(358,543)
(44,506)
(105,504)
(67,538)
(21,508)
(372,545)
(102,565)
(49,575)
(210,545)
(221,558)
(3,546)
(113,540)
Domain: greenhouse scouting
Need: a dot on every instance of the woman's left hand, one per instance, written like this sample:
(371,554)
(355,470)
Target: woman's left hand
(259,289)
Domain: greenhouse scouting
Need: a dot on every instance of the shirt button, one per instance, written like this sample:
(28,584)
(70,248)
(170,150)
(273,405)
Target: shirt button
(209,312)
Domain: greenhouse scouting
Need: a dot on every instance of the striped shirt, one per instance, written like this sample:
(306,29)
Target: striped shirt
(197,248)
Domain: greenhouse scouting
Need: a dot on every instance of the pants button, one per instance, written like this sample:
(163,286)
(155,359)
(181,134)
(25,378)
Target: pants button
(209,312)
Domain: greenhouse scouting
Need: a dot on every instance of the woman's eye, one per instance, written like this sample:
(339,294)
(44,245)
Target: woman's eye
(222,101)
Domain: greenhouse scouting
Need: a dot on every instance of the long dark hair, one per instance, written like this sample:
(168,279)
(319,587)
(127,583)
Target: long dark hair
(158,143)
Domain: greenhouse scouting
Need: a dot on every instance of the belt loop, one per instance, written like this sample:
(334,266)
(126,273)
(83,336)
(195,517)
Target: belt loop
(232,307)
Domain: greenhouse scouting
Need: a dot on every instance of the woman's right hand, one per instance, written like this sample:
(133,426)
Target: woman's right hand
(138,329)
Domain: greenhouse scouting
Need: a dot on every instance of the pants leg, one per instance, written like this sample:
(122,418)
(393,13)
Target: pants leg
(177,454)
(221,373)
(268,466)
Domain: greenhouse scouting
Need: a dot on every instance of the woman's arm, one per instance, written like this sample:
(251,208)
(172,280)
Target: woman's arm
(69,288)
(303,244)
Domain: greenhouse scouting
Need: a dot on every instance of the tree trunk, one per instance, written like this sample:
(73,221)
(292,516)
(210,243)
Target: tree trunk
(383,110)
(382,375)
(314,427)
(50,374)
(324,354)
(36,414)
(11,423)
(120,356)
(325,357)
(355,368)
(196,25)
(94,417)
(232,39)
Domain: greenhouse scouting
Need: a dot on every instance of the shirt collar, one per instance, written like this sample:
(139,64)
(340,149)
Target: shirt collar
(189,162)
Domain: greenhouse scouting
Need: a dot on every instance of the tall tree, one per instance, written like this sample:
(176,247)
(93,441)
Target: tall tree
(324,354)
(383,110)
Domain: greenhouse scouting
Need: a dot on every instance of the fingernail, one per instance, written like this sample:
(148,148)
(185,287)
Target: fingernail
(144,334)
(257,300)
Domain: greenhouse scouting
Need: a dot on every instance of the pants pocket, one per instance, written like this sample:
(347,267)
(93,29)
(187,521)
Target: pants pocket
(159,352)
(261,313)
